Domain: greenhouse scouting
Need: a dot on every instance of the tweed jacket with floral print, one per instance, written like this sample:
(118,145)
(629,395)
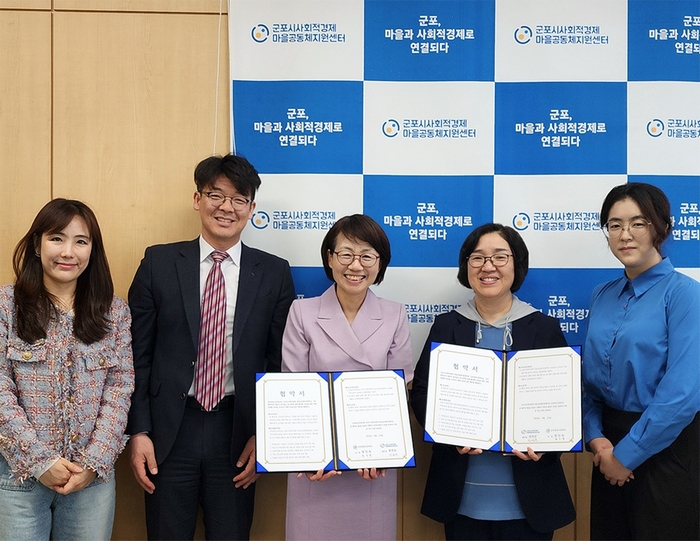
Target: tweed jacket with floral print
(61,398)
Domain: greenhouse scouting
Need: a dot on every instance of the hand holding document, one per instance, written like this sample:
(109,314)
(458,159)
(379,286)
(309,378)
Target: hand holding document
(500,401)
(332,420)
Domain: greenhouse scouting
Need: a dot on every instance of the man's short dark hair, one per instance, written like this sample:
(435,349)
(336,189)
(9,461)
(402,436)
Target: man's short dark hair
(236,169)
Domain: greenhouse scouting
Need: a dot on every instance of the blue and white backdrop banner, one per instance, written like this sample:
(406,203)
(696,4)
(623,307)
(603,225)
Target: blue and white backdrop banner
(435,116)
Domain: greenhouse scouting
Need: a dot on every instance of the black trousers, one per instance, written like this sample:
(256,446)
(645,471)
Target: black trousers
(663,499)
(198,472)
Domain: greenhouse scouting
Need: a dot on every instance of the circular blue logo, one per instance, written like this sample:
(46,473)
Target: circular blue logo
(523,34)
(390,128)
(521,221)
(260,33)
(260,219)
(655,127)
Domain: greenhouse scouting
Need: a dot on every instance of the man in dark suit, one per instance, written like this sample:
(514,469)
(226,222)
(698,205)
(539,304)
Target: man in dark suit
(186,450)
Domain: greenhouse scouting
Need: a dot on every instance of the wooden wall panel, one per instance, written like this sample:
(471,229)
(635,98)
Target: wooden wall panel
(417,527)
(25,126)
(584,468)
(26,5)
(569,463)
(163,6)
(134,110)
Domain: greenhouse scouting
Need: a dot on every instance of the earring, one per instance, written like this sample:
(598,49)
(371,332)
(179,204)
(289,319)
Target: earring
(37,254)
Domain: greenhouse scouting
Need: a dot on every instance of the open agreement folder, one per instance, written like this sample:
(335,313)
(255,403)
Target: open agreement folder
(308,421)
(500,401)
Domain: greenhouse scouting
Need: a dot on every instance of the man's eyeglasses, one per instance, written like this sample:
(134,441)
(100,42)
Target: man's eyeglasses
(217,199)
(497,260)
(366,260)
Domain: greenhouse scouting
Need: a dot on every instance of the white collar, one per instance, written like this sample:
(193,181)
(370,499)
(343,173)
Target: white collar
(205,250)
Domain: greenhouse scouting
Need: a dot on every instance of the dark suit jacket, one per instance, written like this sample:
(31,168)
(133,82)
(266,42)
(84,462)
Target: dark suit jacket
(165,309)
(541,486)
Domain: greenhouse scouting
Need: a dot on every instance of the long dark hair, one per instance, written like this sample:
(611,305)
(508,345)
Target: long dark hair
(34,306)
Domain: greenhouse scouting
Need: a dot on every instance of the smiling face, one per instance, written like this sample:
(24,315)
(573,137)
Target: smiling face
(492,284)
(636,253)
(65,255)
(352,280)
(222,226)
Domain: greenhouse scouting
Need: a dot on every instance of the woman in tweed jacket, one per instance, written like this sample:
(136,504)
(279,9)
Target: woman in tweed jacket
(66,378)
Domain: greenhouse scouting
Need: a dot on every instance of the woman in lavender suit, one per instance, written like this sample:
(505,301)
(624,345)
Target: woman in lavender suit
(347,328)
(66,379)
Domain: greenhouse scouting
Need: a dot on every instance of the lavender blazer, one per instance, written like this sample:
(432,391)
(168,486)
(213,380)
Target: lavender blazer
(318,337)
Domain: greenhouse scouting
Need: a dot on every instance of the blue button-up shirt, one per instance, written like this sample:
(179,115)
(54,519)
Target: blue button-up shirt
(642,354)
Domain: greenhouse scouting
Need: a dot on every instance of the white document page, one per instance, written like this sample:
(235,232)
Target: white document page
(374,429)
(464,396)
(543,400)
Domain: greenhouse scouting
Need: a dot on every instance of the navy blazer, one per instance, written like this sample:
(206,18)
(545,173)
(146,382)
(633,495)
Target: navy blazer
(165,309)
(541,486)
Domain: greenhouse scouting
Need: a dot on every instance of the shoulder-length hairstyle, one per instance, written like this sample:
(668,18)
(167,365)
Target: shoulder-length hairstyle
(653,203)
(521,255)
(357,227)
(34,305)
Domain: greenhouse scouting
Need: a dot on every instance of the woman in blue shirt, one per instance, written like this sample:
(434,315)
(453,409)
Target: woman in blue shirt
(481,495)
(641,376)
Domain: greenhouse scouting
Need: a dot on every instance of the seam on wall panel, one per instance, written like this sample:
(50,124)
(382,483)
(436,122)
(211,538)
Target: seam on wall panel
(51,106)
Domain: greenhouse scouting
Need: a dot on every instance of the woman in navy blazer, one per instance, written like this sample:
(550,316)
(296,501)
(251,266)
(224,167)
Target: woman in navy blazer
(488,495)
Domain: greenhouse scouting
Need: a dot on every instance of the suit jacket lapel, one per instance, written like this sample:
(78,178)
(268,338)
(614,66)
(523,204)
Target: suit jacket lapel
(465,332)
(248,284)
(368,319)
(334,323)
(524,334)
(188,275)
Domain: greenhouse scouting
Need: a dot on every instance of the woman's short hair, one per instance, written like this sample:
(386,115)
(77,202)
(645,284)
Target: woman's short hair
(521,255)
(653,203)
(94,289)
(362,228)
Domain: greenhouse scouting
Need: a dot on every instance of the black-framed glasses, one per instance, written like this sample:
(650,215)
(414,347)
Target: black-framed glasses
(636,228)
(366,260)
(238,202)
(477,261)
